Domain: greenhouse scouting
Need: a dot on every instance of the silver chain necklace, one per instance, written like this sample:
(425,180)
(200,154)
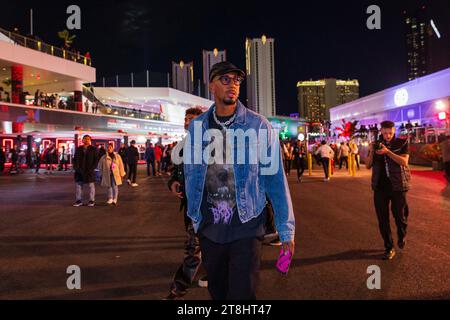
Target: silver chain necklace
(225,124)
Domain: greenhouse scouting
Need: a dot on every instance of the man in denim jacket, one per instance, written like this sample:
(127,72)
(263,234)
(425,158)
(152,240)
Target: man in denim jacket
(232,162)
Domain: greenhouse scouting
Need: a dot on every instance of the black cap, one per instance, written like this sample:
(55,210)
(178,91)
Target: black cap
(222,68)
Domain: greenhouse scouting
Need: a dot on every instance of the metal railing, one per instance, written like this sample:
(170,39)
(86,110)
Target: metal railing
(41,46)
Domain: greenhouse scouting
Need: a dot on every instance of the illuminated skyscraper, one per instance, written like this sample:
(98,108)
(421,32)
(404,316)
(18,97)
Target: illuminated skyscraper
(315,98)
(183,76)
(260,68)
(210,58)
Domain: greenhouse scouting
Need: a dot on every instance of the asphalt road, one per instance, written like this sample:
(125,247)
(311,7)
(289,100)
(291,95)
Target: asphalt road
(131,251)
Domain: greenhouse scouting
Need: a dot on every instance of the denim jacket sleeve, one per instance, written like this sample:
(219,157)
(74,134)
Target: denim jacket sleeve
(277,190)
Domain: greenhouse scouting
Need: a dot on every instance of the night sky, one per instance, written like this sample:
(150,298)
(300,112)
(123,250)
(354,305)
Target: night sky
(313,39)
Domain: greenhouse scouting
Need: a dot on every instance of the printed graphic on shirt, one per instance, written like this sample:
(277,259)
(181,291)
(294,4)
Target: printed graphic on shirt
(220,190)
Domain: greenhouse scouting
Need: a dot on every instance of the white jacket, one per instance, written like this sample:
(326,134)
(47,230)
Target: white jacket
(325,151)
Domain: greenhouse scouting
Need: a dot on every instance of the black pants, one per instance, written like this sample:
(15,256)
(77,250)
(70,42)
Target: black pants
(151,163)
(2,166)
(270,220)
(232,268)
(357,160)
(63,165)
(399,207)
(184,277)
(325,164)
(132,172)
(342,160)
(287,166)
(300,167)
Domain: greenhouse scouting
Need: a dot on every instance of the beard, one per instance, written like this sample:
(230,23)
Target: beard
(229,101)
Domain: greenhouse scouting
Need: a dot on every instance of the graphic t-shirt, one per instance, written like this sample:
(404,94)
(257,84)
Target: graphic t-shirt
(221,223)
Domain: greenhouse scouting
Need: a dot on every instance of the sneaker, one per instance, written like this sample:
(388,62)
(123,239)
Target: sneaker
(78,203)
(91,204)
(299,179)
(203,282)
(174,296)
(110,201)
(129,181)
(134,185)
(114,202)
(389,254)
(275,242)
(326,179)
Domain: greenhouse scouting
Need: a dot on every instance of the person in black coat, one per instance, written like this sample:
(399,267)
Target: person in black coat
(123,155)
(2,160)
(132,158)
(150,159)
(84,163)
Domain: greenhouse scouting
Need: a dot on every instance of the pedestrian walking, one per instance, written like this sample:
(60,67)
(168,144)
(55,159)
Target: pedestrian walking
(391,177)
(112,171)
(84,163)
(227,201)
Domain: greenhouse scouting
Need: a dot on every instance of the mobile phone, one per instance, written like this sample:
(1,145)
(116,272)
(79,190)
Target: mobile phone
(284,261)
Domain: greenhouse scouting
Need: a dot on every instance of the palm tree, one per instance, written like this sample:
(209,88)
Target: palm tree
(68,39)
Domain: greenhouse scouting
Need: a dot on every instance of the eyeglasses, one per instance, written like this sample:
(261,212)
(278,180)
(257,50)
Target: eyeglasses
(226,80)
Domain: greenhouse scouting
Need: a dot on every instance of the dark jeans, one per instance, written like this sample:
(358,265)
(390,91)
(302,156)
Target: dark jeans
(399,207)
(300,167)
(184,277)
(342,160)
(132,172)
(325,164)
(232,268)
(151,163)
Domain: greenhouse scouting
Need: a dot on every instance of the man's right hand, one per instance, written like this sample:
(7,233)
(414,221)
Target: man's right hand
(174,187)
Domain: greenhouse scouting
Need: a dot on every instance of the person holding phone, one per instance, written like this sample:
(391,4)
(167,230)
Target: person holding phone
(388,158)
(227,198)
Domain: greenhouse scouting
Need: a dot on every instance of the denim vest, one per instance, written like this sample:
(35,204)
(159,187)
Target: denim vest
(253,183)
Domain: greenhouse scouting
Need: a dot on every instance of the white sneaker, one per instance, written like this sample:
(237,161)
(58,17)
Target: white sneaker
(326,179)
(114,202)
(203,282)
(129,181)
(134,185)
(110,201)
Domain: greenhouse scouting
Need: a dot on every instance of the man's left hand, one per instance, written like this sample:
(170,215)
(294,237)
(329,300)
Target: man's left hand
(383,149)
(289,246)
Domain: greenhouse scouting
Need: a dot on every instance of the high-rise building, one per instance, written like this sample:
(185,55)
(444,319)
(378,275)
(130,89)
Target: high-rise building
(427,48)
(260,69)
(183,76)
(210,58)
(315,98)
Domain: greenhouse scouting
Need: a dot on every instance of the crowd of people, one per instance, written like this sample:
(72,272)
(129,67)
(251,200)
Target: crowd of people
(295,154)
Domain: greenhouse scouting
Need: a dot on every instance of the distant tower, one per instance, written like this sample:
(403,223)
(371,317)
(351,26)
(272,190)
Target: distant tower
(210,58)
(260,69)
(183,76)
